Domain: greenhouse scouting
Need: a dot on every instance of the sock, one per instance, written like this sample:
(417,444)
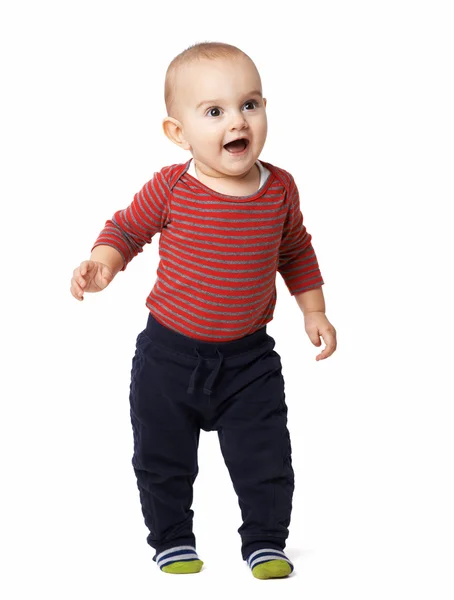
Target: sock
(180,559)
(269,563)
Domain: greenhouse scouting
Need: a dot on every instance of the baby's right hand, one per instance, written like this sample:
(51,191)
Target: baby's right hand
(90,276)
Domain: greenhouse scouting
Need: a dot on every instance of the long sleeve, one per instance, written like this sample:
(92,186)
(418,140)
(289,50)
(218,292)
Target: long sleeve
(133,227)
(298,263)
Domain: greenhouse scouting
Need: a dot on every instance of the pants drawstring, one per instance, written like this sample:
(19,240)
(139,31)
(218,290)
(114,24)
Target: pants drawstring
(208,387)
(194,373)
(210,381)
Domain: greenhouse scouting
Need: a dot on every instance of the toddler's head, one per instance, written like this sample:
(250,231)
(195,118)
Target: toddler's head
(213,96)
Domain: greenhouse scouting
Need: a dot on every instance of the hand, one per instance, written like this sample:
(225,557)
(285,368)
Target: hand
(316,325)
(90,276)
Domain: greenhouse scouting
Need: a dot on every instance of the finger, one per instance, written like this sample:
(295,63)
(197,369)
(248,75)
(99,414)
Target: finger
(76,295)
(315,338)
(322,355)
(330,346)
(84,267)
(77,278)
(76,290)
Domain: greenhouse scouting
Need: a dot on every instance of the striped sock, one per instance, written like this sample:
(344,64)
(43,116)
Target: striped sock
(268,563)
(180,559)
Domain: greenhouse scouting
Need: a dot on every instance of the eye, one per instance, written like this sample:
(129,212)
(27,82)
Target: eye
(215,108)
(253,102)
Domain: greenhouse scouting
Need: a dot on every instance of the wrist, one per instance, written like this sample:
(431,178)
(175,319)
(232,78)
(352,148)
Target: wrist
(108,256)
(311,301)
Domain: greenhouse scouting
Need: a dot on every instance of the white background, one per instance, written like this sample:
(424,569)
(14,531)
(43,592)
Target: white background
(360,108)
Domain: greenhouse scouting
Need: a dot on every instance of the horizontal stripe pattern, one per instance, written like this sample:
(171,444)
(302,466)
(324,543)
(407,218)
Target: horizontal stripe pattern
(219,254)
(176,554)
(266,554)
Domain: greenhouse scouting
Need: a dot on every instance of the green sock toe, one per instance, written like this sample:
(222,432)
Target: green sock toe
(272,568)
(187,566)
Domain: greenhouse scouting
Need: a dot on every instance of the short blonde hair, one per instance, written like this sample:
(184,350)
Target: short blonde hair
(207,50)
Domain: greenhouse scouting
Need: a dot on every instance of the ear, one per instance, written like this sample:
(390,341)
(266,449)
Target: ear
(264,102)
(173,129)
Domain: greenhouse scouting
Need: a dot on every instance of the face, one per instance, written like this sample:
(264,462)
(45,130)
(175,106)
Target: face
(220,101)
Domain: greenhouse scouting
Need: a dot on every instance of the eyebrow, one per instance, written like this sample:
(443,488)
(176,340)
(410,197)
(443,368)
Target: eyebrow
(218,101)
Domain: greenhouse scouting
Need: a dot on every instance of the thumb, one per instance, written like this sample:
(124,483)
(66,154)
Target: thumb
(106,273)
(315,338)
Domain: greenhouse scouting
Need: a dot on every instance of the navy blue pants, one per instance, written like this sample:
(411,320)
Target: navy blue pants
(180,385)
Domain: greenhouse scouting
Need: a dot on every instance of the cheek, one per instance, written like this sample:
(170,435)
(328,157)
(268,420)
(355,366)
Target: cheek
(211,136)
(259,120)
(265,126)
(206,133)
(261,127)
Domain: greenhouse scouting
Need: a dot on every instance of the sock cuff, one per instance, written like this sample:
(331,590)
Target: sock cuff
(176,554)
(267,554)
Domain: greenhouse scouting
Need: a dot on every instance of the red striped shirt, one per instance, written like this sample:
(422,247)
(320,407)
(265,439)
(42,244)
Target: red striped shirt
(219,254)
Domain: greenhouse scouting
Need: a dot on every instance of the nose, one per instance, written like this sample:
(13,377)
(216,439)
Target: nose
(238,121)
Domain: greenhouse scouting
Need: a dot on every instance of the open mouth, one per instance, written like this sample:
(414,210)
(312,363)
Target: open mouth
(237,147)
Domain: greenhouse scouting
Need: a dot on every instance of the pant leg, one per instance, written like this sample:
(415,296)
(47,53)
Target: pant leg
(256,447)
(166,438)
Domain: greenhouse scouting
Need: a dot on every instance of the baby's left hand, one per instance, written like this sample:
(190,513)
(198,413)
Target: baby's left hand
(316,325)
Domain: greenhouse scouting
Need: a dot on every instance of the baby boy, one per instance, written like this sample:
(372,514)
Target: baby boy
(228,223)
